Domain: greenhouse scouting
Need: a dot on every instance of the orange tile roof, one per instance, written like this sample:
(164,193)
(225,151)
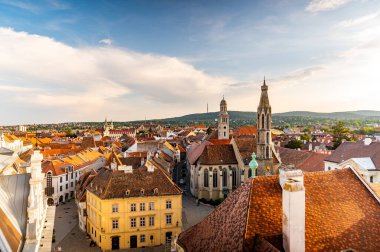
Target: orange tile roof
(220,141)
(341,213)
(247,131)
(80,160)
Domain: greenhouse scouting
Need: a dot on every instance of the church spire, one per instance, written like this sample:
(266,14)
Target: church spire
(223,121)
(264,99)
(264,124)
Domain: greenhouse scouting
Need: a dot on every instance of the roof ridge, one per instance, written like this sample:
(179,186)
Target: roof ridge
(109,182)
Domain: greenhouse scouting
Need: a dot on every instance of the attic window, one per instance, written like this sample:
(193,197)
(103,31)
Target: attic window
(127,192)
(155,191)
(142,191)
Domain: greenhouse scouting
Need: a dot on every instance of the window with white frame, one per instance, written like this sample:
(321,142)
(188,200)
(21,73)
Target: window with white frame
(115,224)
(115,208)
(142,238)
(133,222)
(168,219)
(142,206)
(151,221)
(168,204)
(142,222)
(133,207)
(151,206)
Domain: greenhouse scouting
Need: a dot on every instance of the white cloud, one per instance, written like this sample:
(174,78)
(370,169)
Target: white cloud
(39,73)
(325,5)
(106,41)
(358,21)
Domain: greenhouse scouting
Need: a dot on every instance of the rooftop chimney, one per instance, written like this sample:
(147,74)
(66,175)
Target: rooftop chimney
(293,210)
(367,141)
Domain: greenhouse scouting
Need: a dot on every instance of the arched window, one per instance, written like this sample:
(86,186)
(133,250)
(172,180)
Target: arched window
(224,177)
(249,173)
(215,178)
(205,178)
(262,121)
(268,138)
(234,177)
(268,122)
(267,154)
(49,184)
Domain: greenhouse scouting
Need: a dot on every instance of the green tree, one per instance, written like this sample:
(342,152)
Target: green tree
(294,144)
(306,137)
(209,130)
(340,133)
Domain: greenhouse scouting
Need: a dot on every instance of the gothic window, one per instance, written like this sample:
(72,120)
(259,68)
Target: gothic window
(249,173)
(215,178)
(268,137)
(268,122)
(262,121)
(205,178)
(224,177)
(267,154)
(224,134)
(234,178)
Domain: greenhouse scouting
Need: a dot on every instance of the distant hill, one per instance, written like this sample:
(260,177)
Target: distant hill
(245,115)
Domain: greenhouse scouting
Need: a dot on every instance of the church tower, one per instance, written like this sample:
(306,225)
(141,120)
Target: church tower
(264,123)
(223,121)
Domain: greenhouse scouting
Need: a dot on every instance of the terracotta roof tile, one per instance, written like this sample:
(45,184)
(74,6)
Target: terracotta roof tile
(218,155)
(114,184)
(223,229)
(341,213)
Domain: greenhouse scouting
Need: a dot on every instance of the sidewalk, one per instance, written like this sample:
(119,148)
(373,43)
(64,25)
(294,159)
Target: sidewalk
(47,233)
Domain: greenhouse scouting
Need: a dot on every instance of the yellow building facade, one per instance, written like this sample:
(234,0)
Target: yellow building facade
(133,221)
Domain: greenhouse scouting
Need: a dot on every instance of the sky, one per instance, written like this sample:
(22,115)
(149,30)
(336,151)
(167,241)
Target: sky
(64,61)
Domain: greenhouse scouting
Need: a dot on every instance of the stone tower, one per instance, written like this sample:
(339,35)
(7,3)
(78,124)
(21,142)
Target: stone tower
(223,121)
(264,137)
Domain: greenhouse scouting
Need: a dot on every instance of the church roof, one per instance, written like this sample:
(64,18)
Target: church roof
(218,155)
(264,99)
(335,217)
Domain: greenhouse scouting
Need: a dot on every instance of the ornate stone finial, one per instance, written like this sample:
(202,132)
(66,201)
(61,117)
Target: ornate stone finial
(253,164)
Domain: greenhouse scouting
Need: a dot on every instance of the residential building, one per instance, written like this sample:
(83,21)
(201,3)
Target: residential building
(62,174)
(362,155)
(133,208)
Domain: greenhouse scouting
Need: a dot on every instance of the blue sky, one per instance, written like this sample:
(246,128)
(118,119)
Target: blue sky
(84,60)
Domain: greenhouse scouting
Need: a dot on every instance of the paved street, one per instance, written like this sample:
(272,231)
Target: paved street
(66,219)
(191,213)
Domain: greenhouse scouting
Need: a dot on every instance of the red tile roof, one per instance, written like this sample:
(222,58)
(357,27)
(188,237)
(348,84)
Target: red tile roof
(223,229)
(305,160)
(349,150)
(341,213)
(218,155)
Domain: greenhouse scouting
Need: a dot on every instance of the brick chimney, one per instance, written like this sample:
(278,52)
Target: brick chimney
(293,210)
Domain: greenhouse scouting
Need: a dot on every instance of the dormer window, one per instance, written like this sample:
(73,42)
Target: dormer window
(141,191)
(127,192)
(155,191)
